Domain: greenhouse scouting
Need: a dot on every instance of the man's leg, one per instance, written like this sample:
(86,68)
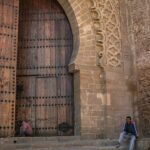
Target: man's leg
(132,142)
(22,132)
(121,138)
(27,134)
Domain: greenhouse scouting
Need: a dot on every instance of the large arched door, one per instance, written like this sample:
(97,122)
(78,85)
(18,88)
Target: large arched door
(44,85)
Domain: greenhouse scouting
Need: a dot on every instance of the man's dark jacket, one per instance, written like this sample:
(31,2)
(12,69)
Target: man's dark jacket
(130,128)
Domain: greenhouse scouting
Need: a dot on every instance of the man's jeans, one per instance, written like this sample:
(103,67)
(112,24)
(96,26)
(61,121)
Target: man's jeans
(125,136)
(23,133)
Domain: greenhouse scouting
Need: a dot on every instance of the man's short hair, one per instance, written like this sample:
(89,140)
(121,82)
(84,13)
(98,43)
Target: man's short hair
(129,117)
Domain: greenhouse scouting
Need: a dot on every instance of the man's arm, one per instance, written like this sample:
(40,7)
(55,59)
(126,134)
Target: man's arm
(124,127)
(135,129)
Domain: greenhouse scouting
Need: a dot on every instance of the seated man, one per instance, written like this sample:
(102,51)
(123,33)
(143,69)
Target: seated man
(25,129)
(129,131)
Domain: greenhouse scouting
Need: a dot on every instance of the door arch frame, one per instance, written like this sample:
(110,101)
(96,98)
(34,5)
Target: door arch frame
(80,28)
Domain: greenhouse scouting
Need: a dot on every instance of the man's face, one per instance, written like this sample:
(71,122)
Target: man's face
(128,120)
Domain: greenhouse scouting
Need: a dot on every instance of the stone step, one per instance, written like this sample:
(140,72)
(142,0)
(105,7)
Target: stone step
(66,143)
(56,143)
(57,140)
(65,148)
(39,139)
(52,138)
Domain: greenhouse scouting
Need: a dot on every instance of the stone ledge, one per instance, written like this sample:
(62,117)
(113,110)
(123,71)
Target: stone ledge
(67,142)
(143,144)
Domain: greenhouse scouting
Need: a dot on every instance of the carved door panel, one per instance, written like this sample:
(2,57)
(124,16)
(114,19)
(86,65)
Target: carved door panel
(9,10)
(45,87)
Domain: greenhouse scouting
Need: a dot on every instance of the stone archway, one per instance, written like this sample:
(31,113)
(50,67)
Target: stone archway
(84,57)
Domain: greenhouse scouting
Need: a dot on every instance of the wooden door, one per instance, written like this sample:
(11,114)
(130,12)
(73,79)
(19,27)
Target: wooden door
(44,85)
(9,10)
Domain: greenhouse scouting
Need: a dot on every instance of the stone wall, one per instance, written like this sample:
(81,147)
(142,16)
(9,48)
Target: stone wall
(102,66)
(139,26)
(115,62)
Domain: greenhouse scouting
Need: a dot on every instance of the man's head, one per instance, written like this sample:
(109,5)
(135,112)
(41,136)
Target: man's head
(128,119)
